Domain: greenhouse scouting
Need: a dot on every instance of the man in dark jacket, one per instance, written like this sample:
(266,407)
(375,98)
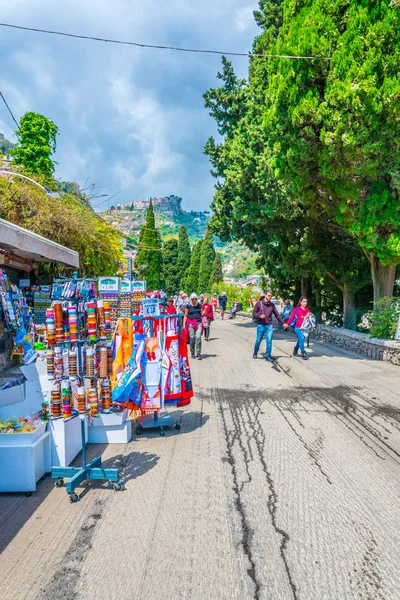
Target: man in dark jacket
(263,311)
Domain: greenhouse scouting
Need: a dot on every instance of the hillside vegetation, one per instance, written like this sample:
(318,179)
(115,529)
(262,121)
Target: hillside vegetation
(238,261)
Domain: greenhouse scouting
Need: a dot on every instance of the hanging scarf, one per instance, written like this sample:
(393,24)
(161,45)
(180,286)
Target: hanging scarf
(121,349)
(186,378)
(151,396)
(130,379)
(172,386)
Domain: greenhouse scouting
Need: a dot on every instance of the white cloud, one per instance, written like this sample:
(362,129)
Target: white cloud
(128,118)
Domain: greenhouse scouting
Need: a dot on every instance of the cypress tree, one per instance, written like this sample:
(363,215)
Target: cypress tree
(184,254)
(216,273)
(206,261)
(192,277)
(171,272)
(148,259)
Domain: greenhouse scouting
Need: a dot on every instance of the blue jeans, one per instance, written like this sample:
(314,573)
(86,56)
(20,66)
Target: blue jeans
(300,339)
(262,330)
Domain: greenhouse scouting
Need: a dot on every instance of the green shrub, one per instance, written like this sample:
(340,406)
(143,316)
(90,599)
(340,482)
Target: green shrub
(384,318)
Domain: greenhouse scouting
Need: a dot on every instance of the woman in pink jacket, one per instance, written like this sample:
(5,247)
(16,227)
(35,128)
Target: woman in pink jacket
(297,317)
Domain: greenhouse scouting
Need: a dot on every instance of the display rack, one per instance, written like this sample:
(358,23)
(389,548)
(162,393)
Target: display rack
(78,475)
(93,469)
(156,421)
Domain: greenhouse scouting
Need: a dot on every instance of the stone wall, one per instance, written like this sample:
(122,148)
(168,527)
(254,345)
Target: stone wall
(353,341)
(360,343)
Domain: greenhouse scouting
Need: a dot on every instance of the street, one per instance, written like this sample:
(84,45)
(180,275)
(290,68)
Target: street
(283,483)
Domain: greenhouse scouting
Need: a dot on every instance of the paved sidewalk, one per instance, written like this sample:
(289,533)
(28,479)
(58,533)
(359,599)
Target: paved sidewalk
(283,483)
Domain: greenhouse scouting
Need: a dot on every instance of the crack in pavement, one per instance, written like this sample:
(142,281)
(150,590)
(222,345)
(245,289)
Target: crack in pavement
(258,436)
(247,532)
(273,498)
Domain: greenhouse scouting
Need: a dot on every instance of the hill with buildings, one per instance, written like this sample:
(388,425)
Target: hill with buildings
(238,261)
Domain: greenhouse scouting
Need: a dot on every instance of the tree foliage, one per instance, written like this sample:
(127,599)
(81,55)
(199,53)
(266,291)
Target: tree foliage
(192,277)
(148,260)
(308,169)
(65,221)
(384,318)
(171,270)
(183,253)
(216,273)
(36,143)
(206,261)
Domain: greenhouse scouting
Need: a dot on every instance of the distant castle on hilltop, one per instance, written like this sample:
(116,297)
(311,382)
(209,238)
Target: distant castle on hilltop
(171,205)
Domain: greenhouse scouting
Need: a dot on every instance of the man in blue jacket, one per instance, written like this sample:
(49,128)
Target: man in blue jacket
(222,301)
(263,311)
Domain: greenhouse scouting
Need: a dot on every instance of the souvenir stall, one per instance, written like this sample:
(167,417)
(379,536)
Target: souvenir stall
(151,371)
(79,365)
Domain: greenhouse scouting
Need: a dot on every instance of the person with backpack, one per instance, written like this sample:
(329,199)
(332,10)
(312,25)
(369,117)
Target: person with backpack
(262,314)
(297,320)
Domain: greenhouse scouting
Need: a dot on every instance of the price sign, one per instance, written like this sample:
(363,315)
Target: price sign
(109,284)
(139,286)
(125,286)
(151,307)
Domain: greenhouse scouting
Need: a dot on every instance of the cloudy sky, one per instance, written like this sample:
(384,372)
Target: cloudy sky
(129,119)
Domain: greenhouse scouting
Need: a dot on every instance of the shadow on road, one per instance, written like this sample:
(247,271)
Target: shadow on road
(189,421)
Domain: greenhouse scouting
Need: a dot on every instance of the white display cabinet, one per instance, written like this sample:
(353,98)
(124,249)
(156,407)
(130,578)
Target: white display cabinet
(24,459)
(110,428)
(66,440)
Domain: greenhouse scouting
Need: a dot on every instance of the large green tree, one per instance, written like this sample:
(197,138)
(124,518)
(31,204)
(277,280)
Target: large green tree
(148,260)
(282,165)
(206,261)
(332,124)
(171,271)
(36,144)
(183,253)
(192,277)
(216,273)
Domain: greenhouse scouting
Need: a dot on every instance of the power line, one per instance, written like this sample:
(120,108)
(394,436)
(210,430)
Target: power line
(137,44)
(9,109)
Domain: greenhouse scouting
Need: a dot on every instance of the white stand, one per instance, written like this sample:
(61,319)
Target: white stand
(112,428)
(24,459)
(66,442)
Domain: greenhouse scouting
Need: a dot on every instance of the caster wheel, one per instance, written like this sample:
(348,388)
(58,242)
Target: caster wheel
(138,432)
(73,497)
(178,426)
(59,482)
(28,494)
(43,477)
(117,486)
(162,433)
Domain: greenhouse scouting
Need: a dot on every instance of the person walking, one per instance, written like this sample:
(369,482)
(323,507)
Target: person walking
(171,310)
(300,313)
(182,303)
(222,301)
(207,312)
(192,320)
(263,311)
(214,302)
(287,311)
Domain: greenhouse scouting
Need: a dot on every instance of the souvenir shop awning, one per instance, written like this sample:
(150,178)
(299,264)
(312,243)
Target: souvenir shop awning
(26,244)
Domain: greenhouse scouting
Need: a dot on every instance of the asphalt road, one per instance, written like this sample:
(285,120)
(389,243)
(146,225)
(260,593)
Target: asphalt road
(283,483)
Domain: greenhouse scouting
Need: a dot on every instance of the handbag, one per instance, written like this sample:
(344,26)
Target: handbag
(293,323)
(204,320)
